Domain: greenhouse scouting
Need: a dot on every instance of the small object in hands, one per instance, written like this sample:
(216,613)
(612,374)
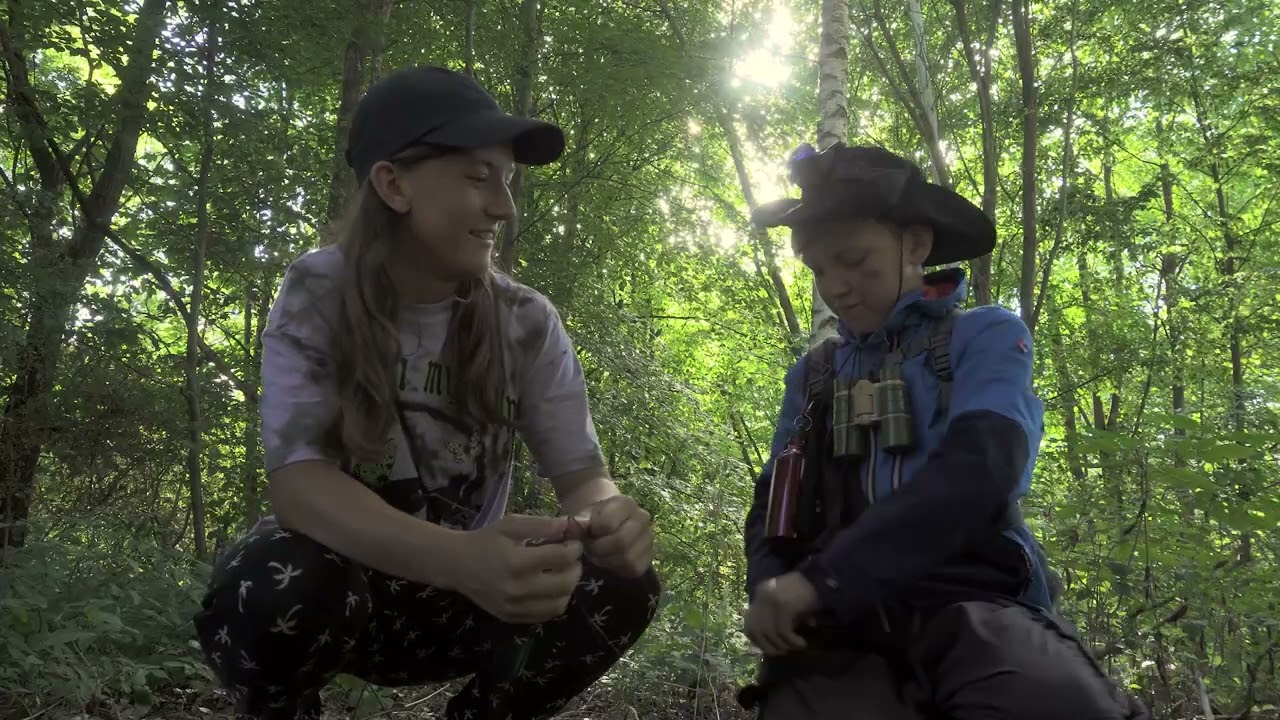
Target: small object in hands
(578,527)
(784,488)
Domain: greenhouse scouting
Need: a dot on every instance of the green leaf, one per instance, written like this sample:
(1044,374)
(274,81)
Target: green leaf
(1226,452)
(65,637)
(1242,518)
(1184,477)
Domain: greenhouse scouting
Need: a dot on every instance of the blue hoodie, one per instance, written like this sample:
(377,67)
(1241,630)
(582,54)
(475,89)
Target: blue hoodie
(928,505)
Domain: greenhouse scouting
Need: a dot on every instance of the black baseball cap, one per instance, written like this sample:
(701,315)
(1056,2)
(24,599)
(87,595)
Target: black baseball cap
(866,181)
(434,105)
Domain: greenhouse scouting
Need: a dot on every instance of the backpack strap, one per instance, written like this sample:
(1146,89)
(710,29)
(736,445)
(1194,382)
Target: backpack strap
(818,378)
(935,339)
(822,492)
(939,350)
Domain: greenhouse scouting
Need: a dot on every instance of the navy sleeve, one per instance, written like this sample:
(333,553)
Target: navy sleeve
(964,485)
(762,563)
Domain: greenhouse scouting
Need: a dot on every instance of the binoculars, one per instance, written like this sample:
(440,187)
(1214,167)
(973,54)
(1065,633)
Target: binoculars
(860,406)
(857,408)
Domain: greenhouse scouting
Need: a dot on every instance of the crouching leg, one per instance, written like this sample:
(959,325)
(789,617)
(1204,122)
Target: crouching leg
(829,684)
(989,660)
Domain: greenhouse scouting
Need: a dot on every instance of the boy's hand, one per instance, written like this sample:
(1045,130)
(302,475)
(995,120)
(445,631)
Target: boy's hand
(780,606)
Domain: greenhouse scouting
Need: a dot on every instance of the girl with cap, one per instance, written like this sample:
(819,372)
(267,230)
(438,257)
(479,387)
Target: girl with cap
(398,370)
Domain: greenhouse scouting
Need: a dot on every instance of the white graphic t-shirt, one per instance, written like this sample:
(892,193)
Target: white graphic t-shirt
(436,466)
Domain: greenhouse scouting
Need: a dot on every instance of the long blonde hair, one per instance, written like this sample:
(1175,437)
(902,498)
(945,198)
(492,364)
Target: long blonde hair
(366,346)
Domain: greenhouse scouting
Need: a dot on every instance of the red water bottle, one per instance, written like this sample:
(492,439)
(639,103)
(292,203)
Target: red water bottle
(784,492)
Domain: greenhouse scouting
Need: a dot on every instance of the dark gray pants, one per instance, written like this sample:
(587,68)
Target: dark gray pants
(967,661)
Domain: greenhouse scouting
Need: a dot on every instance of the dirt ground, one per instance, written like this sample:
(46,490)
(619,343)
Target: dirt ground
(420,703)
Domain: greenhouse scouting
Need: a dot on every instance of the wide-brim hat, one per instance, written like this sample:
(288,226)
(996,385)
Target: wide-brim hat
(871,182)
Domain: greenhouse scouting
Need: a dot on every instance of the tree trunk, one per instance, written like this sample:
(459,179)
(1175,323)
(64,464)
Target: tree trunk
(916,97)
(1213,142)
(469,42)
(981,74)
(1119,275)
(1066,382)
(195,442)
(249,439)
(1068,174)
(759,236)
(924,87)
(364,52)
(1030,110)
(63,271)
(1170,266)
(1067,397)
(257,305)
(919,101)
(342,180)
(833,123)
(530,44)
(380,13)
(1235,323)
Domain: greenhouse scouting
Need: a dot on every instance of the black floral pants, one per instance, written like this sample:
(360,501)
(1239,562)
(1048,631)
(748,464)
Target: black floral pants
(284,614)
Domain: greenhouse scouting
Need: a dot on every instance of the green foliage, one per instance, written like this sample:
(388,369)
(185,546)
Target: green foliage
(1156,490)
(97,615)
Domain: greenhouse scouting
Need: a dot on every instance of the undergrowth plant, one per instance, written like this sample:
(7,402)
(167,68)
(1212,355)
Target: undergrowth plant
(96,618)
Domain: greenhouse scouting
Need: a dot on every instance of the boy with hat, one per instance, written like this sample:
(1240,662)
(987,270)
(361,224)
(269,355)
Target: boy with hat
(889,569)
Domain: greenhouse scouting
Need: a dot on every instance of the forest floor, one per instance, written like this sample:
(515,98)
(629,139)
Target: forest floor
(418,703)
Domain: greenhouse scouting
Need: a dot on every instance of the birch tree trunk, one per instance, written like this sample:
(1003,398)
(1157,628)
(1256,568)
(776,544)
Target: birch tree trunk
(924,85)
(910,93)
(833,123)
